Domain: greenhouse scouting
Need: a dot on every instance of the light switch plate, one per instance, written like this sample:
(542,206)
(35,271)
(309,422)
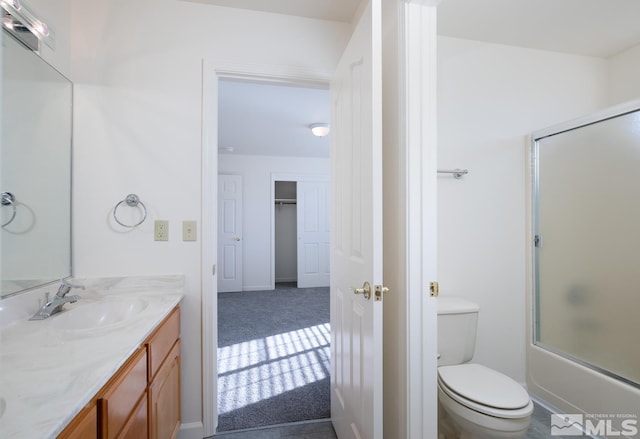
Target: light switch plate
(189,230)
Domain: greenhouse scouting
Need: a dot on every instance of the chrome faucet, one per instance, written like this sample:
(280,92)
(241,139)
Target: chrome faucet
(54,306)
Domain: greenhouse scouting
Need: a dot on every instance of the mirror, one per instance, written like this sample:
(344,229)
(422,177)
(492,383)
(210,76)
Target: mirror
(35,170)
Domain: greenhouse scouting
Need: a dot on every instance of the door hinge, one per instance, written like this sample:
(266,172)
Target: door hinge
(434,289)
(213,270)
(379,291)
(537,241)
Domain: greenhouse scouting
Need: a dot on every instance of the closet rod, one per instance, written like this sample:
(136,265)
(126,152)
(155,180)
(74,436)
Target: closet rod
(457,173)
(285,201)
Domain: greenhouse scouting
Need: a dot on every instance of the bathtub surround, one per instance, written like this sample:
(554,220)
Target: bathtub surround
(51,369)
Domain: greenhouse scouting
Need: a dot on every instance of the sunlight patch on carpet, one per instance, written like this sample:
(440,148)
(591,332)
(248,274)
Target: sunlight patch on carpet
(259,369)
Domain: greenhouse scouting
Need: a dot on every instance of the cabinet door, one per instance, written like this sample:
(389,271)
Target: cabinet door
(122,394)
(164,398)
(83,426)
(136,427)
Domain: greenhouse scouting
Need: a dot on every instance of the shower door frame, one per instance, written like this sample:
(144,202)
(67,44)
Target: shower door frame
(564,383)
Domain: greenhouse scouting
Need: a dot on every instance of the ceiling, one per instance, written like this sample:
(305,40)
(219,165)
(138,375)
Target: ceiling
(332,10)
(599,28)
(270,119)
(254,116)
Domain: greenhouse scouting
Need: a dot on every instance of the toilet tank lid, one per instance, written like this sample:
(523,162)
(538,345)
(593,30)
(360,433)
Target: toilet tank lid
(456,305)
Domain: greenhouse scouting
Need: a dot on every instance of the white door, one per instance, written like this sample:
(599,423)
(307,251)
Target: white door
(229,233)
(356,230)
(313,233)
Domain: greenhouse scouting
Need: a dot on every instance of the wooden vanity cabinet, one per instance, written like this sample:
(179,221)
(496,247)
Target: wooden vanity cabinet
(142,400)
(120,398)
(163,348)
(164,398)
(84,425)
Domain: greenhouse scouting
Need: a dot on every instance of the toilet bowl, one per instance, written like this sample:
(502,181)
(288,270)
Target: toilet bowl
(474,401)
(479,402)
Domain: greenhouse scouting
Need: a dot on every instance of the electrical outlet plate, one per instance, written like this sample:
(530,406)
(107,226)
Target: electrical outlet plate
(161,230)
(188,230)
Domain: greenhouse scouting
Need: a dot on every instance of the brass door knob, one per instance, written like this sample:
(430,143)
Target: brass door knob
(365,290)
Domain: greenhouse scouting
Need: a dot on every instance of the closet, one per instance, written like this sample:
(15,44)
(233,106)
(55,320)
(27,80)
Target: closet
(285,217)
(301,232)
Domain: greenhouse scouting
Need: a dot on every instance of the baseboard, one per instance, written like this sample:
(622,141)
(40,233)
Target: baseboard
(192,430)
(287,279)
(258,288)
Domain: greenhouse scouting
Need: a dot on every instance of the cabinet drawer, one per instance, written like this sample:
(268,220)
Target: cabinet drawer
(162,340)
(122,394)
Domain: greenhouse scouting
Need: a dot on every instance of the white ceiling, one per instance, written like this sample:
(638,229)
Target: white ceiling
(332,10)
(267,119)
(256,116)
(599,28)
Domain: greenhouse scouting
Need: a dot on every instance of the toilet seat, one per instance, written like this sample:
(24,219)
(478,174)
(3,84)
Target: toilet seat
(485,390)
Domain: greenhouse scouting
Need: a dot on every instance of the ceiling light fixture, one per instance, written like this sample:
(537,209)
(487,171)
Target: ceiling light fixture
(319,129)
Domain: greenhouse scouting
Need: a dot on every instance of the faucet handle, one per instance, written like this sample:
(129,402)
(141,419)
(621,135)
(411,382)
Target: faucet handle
(67,283)
(65,287)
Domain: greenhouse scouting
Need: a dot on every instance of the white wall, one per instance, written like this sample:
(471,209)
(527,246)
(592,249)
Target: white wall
(624,71)
(490,98)
(256,173)
(137,68)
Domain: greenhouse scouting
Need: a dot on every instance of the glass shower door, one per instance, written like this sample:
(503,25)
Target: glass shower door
(587,226)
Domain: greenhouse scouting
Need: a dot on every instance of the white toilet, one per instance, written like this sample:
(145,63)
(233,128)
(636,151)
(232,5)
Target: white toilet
(473,400)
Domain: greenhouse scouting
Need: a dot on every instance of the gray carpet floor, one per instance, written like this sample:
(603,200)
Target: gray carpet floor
(273,357)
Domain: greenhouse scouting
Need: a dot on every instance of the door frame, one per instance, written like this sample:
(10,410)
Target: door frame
(284,177)
(212,72)
(418,142)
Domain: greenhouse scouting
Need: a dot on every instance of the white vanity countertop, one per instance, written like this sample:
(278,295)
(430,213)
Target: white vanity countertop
(50,369)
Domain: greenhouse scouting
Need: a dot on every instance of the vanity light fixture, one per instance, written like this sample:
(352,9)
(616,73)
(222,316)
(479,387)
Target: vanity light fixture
(15,4)
(319,129)
(19,11)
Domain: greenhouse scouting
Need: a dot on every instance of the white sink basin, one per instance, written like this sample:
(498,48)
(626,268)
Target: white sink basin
(99,314)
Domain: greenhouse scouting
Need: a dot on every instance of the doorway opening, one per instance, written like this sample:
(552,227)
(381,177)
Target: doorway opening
(273,337)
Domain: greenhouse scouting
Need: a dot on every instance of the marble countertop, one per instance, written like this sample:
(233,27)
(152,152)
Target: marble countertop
(50,369)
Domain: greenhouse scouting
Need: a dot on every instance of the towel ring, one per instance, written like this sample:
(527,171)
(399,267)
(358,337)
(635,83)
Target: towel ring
(8,199)
(131,200)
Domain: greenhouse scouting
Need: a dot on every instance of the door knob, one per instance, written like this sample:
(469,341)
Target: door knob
(236,239)
(365,290)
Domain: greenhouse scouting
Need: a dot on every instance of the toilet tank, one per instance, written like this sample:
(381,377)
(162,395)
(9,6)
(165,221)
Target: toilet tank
(457,322)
